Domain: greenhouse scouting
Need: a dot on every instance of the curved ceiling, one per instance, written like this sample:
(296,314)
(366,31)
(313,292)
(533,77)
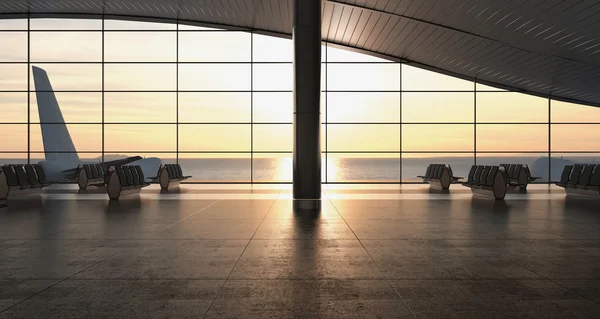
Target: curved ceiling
(543,47)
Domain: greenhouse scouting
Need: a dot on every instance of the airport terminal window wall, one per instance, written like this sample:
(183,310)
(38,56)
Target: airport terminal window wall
(220,103)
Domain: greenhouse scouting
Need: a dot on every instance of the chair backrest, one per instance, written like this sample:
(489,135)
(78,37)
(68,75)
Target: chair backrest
(428,171)
(11,175)
(122,176)
(447,166)
(517,171)
(527,170)
(471,174)
(140,174)
(595,178)
(173,171)
(492,176)
(484,175)
(438,171)
(100,169)
(586,173)
(510,171)
(179,171)
(94,169)
(477,175)
(564,177)
(41,174)
(22,175)
(31,175)
(136,177)
(575,173)
(88,171)
(128,175)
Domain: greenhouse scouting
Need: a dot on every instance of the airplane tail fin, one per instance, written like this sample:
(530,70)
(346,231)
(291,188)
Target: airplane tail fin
(56,137)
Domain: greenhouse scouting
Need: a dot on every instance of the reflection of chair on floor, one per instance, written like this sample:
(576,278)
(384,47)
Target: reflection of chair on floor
(518,175)
(487,181)
(439,176)
(581,179)
(125,180)
(91,175)
(169,175)
(21,180)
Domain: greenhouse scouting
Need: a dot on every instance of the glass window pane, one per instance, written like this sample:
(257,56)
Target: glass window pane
(363,77)
(272,49)
(273,77)
(86,137)
(273,168)
(511,107)
(13,24)
(361,168)
(214,77)
(444,138)
(214,47)
(575,137)
(191,26)
(140,46)
(415,164)
(273,138)
(66,46)
(13,77)
(417,79)
(437,107)
(15,158)
(512,137)
(538,163)
(75,107)
(128,138)
(231,168)
(140,107)
(66,24)
(143,77)
(14,46)
(72,77)
(14,137)
(214,137)
(273,107)
(137,25)
(480,87)
(214,107)
(347,55)
(363,107)
(363,137)
(563,112)
(14,107)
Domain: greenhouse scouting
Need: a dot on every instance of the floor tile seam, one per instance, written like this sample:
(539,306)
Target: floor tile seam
(186,217)
(57,283)
(301,279)
(239,258)
(376,264)
(546,231)
(13,246)
(554,282)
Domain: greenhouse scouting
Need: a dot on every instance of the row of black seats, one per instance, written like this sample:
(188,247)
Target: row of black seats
(25,176)
(434,171)
(175,172)
(514,174)
(580,176)
(94,171)
(131,176)
(481,176)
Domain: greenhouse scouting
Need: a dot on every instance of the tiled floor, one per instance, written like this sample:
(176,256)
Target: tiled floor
(241,252)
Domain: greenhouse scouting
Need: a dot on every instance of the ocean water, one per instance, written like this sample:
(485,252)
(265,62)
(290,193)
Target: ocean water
(348,169)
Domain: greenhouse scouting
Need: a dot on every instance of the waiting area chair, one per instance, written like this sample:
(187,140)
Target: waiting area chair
(581,180)
(440,176)
(169,175)
(91,175)
(487,181)
(518,175)
(125,181)
(19,180)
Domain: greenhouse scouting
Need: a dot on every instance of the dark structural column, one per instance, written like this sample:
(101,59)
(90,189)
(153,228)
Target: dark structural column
(307,104)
